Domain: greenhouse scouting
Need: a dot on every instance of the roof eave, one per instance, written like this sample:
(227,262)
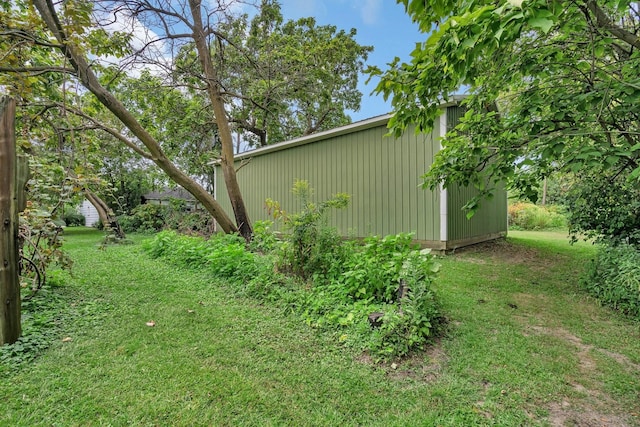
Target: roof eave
(342,130)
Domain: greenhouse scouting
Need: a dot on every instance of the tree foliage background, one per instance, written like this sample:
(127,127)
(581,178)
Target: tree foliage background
(178,84)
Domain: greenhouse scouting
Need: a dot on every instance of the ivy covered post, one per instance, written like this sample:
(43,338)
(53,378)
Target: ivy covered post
(10,329)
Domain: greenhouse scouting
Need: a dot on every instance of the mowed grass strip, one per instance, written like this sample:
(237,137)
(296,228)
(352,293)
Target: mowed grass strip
(524,347)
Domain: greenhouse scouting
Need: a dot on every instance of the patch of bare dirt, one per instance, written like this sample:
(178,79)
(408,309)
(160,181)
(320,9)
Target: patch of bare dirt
(563,414)
(593,409)
(424,367)
(498,251)
(584,349)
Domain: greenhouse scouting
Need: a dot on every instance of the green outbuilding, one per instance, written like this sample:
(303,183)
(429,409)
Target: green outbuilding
(382,174)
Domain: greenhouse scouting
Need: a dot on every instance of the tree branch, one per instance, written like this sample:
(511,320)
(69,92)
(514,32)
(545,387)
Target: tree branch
(603,20)
(108,130)
(36,71)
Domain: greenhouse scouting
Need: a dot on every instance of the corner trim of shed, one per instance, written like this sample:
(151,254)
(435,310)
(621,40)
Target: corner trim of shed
(443,191)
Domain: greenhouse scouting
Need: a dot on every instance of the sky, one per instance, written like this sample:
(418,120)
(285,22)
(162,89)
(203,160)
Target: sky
(382,24)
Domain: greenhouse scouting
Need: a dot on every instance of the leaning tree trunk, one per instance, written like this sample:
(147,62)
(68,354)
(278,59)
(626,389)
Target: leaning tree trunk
(89,80)
(224,130)
(10,329)
(107,217)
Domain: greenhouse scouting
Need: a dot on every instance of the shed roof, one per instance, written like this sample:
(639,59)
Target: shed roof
(168,193)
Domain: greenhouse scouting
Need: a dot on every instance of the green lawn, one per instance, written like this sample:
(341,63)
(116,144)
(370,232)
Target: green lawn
(525,346)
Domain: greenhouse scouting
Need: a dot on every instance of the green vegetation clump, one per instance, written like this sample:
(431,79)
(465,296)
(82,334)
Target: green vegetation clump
(604,209)
(332,284)
(73,218)
(527,216)
(614,278)
(151,218)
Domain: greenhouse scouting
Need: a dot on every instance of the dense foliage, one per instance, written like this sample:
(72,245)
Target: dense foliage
(605,209)
(150,218)
(527,216)
(73,218)
(614,278)
(551,86)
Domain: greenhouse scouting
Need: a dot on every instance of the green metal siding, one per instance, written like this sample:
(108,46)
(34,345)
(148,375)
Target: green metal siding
(454,113)
(382,175)
(491,218)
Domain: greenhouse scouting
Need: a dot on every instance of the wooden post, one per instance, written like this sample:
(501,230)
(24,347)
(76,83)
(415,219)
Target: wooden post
(10,329)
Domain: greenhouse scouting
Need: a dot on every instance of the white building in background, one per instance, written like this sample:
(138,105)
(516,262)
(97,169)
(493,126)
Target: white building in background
(90,213)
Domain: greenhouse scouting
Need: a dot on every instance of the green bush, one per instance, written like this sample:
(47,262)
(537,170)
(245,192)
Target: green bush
(73,218)
(147,218)
(372,269)
(527,216)
(614,278)
(263,240)
(310,247)
(195,222)
(348,281)
(606,208)
(150,218)
(224,255)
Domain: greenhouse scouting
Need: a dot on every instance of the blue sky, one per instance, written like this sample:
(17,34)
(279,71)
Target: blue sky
(382,24)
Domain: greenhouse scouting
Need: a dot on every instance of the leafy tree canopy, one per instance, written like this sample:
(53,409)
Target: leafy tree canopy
(285,78)
(552,85)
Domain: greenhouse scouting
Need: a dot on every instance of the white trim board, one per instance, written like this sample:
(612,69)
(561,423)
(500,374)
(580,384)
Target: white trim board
(443,191)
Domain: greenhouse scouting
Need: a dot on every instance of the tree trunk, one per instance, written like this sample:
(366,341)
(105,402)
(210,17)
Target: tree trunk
(109,220)
(90,81)
(10,328)
(224,130)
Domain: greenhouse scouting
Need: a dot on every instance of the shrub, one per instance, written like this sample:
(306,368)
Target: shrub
(416,317)
(263,241)
(614,278)
(145,218)
(311,247)
(527,216)
(605,208)
(195,222)
(149,218)
(348,281)
(372,270)
(73,218)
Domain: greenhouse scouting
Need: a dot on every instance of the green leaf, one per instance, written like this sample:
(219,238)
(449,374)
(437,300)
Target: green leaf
(544,24)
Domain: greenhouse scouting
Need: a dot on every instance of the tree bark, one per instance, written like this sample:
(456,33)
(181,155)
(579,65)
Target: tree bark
(10,328)
(90,81)
(224,130)
(105,213)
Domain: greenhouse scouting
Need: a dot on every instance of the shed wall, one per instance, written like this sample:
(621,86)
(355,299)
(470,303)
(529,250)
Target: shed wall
(382,175)
(490,219)
(90,213)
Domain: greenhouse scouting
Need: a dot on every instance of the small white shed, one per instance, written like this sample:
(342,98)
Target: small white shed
(90,213)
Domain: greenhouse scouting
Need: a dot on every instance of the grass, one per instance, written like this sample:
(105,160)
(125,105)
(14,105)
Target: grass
(525,346)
